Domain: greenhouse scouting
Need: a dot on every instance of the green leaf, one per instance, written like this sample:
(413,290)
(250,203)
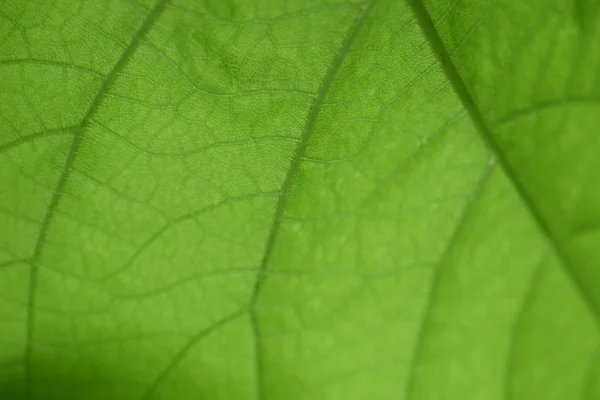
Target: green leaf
(300,199)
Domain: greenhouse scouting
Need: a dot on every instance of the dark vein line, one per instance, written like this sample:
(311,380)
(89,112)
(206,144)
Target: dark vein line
(582,15)
(10,263)
(41,239)
(160,378)
(487,135)
(51,63)
(287,184)
(437,275)
(545,106)
(171,224)
(197,150)
(35,136)
(590,376)
(519,320)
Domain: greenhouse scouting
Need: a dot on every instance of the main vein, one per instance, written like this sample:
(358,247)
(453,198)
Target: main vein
(289,179)
(486,132)
(64,176)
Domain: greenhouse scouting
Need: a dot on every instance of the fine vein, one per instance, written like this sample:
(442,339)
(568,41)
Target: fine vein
(486,132)
(54,200)
(189,345)
(288,182)
(438,273)
(35,136)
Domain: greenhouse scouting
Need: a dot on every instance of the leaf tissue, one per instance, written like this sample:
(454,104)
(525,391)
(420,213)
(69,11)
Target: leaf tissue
(299,199)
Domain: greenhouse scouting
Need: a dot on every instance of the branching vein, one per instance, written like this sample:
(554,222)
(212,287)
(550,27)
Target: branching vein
(289,180)
(54,200)
(486,132)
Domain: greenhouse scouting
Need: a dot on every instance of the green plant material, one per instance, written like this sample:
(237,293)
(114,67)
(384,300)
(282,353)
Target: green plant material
(299,199)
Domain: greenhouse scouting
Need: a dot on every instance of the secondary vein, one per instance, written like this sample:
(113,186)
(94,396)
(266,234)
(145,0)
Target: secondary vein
(425,321)
(289,179)
(35,136)
(64,176)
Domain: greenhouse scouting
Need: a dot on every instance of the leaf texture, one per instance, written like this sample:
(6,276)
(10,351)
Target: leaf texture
(299,199)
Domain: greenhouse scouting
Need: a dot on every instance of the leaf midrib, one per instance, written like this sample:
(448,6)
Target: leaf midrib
(486,132)
(64,176)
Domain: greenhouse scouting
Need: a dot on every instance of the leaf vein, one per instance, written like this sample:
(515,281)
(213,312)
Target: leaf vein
(437,274)
(62,180)
(328,80)
(36,136)
(485,130)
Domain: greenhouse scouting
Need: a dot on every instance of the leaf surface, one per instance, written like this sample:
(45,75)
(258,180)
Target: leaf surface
(299,199)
